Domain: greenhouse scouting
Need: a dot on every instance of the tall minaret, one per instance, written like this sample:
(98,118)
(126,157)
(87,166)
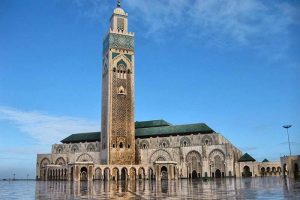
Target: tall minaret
(117,127)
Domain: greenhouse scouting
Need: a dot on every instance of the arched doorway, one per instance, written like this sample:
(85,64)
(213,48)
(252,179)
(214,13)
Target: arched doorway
(65,174)
(124,174)
(193,163)
(98,174)
(164,173)
(262,171)
(279,170)
(71,175)
(296,170)
(194,174)
(83,174)
(106,174)
(115,174)
(246,172)
(132,173)
(273,170)
(141,173)
(218,173)
(268,170)
(151,175)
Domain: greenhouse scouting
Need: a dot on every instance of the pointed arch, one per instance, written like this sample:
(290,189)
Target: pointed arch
(144,144)
(74,148)
(84,158)
(164,143)
(44,162)
(60,161)
(185,141)
(216,152)
(122,59)
(160,153)
(207,140)
(91,148)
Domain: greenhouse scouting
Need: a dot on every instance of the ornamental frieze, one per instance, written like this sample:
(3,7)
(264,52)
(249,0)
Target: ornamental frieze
(118,41)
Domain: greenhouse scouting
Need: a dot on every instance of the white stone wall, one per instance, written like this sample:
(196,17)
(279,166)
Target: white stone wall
(177,148)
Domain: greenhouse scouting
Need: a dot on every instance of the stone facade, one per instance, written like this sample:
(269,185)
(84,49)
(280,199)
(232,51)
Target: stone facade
(189,156)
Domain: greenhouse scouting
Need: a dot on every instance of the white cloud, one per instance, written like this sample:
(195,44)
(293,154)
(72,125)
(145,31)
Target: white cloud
(244,21)
(44,128)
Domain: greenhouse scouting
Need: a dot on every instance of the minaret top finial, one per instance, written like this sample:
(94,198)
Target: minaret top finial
(119,3)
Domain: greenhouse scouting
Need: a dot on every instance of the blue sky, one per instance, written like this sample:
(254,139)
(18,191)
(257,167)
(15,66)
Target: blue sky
(234,65)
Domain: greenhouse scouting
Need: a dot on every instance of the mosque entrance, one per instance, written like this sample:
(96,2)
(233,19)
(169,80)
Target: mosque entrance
(246,172)
(218,173)
(83,174)
(194,174)
(164,173)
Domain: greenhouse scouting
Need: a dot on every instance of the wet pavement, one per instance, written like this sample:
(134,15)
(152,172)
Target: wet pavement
(230,188)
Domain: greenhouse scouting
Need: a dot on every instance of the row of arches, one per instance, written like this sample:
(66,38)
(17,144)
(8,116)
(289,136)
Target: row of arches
(269,171)
(74,148)
(217,166)
(57,174)
(184,142)
(263,171)
(121,174)
(61,161)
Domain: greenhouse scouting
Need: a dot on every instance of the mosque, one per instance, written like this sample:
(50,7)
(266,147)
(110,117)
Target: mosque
(153,150)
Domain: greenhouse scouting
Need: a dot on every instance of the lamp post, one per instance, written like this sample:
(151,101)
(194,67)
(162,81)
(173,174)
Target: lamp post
(287,131)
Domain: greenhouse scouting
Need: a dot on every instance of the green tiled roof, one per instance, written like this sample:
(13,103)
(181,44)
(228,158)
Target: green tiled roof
(152,123)
(172,130)
(265,160)
(145,129)
(246,158)
(82,137)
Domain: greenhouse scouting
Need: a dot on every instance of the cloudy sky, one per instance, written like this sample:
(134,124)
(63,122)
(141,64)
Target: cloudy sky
(234,65)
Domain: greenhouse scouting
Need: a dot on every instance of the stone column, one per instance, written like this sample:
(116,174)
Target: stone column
(157,169)
(46,175)
(76,173)
(90,172)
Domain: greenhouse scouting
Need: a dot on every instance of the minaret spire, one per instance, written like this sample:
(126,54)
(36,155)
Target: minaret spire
(119,3)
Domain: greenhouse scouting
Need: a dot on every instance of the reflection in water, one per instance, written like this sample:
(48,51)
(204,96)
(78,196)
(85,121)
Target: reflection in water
(245,188)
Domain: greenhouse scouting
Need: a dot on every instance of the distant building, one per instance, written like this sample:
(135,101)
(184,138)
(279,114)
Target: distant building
(141,150)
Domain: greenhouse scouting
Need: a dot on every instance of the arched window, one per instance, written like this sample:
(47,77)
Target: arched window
(144,144)
(74,148)
(121,90)
(91,148)
(185,141)
(206,140)
(164,143)
(59,149)
(121,145)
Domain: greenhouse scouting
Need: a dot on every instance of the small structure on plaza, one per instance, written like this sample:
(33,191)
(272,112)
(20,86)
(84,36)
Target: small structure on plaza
(290,166)
(128,150)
